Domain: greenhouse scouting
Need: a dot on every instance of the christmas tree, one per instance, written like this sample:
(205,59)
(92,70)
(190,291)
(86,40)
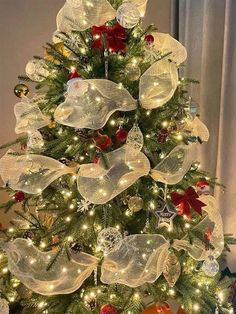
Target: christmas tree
(114,212)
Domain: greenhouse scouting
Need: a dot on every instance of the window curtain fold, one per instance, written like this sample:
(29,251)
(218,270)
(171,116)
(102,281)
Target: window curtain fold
(207,28)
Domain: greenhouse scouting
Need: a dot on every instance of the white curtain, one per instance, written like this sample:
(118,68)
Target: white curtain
(208,30)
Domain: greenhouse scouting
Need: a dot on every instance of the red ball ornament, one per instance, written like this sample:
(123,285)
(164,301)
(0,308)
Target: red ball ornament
(121,135)
(108,309)
(19,196)
(162,136)
(102,141)
(149,39)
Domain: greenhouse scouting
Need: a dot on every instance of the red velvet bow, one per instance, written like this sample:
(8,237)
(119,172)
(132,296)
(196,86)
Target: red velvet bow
(115,35)
(187,201)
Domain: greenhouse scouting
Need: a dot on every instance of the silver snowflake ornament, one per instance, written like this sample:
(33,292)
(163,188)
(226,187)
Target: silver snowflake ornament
(83,206)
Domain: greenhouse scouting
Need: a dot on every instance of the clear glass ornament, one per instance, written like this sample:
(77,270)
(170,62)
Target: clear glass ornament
(128,15)
(36,70)
(133,71)
(211,267)
(4,307)
(109,239)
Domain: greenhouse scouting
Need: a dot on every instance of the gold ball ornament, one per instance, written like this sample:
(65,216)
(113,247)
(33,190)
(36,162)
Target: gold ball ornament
(21,90)
(52,124)
(135,203)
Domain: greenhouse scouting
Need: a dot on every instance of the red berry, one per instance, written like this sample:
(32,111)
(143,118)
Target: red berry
(19,196)
(121,135)
(149,39)
(108,309)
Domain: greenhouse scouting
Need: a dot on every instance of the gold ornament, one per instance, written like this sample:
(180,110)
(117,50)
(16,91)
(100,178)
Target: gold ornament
(21,90)
(60,47)
(135,203)
(133,71)
(52,124)
(172,269)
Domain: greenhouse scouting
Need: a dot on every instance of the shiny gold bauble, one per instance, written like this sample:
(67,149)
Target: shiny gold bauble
(21,90)
(133,71)
(135,203)
(52,124)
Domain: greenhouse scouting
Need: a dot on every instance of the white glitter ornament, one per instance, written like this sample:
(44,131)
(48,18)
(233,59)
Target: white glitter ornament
(128,15)
(109,239)
(211,267)
(4,307)
(36,70)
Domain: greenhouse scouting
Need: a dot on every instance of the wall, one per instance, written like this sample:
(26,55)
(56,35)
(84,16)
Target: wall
(25,27)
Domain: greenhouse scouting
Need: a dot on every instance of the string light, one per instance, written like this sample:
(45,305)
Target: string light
(196,307)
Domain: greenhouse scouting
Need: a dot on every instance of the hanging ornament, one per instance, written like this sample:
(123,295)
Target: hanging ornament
(19,196)
(160,308)
(128,15)
(76,247)
(135,203)
(203,187)
(35,141)
(83,206)
(121,135)
(115,37)
(164,215)
(149,39)
(60,47)
(162,136)
(133,71)
(186,201)
(21,90)
(36,70)
(109,239)
(211,267)
(108,309)
(52,124)
(4,307)
(135,139)
(172,269)
(90,302)
(102,141)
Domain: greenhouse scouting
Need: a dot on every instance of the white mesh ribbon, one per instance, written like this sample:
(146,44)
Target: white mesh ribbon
(28,116)
(82,14)
(173,168)
(99,185)
(90,103)
(158,84)
(141,258)
(30,173)
(141,5)
(167,44)
(198,129)
(29,265)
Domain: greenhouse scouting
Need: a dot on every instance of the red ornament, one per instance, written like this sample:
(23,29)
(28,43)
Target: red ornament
(161,309)
(186,201)
(115,36)
(203,187)
(149,39)
(102,141)
(19,196)
(121,135)
(74,74)
(162,136)
(108,309)
(96,160)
